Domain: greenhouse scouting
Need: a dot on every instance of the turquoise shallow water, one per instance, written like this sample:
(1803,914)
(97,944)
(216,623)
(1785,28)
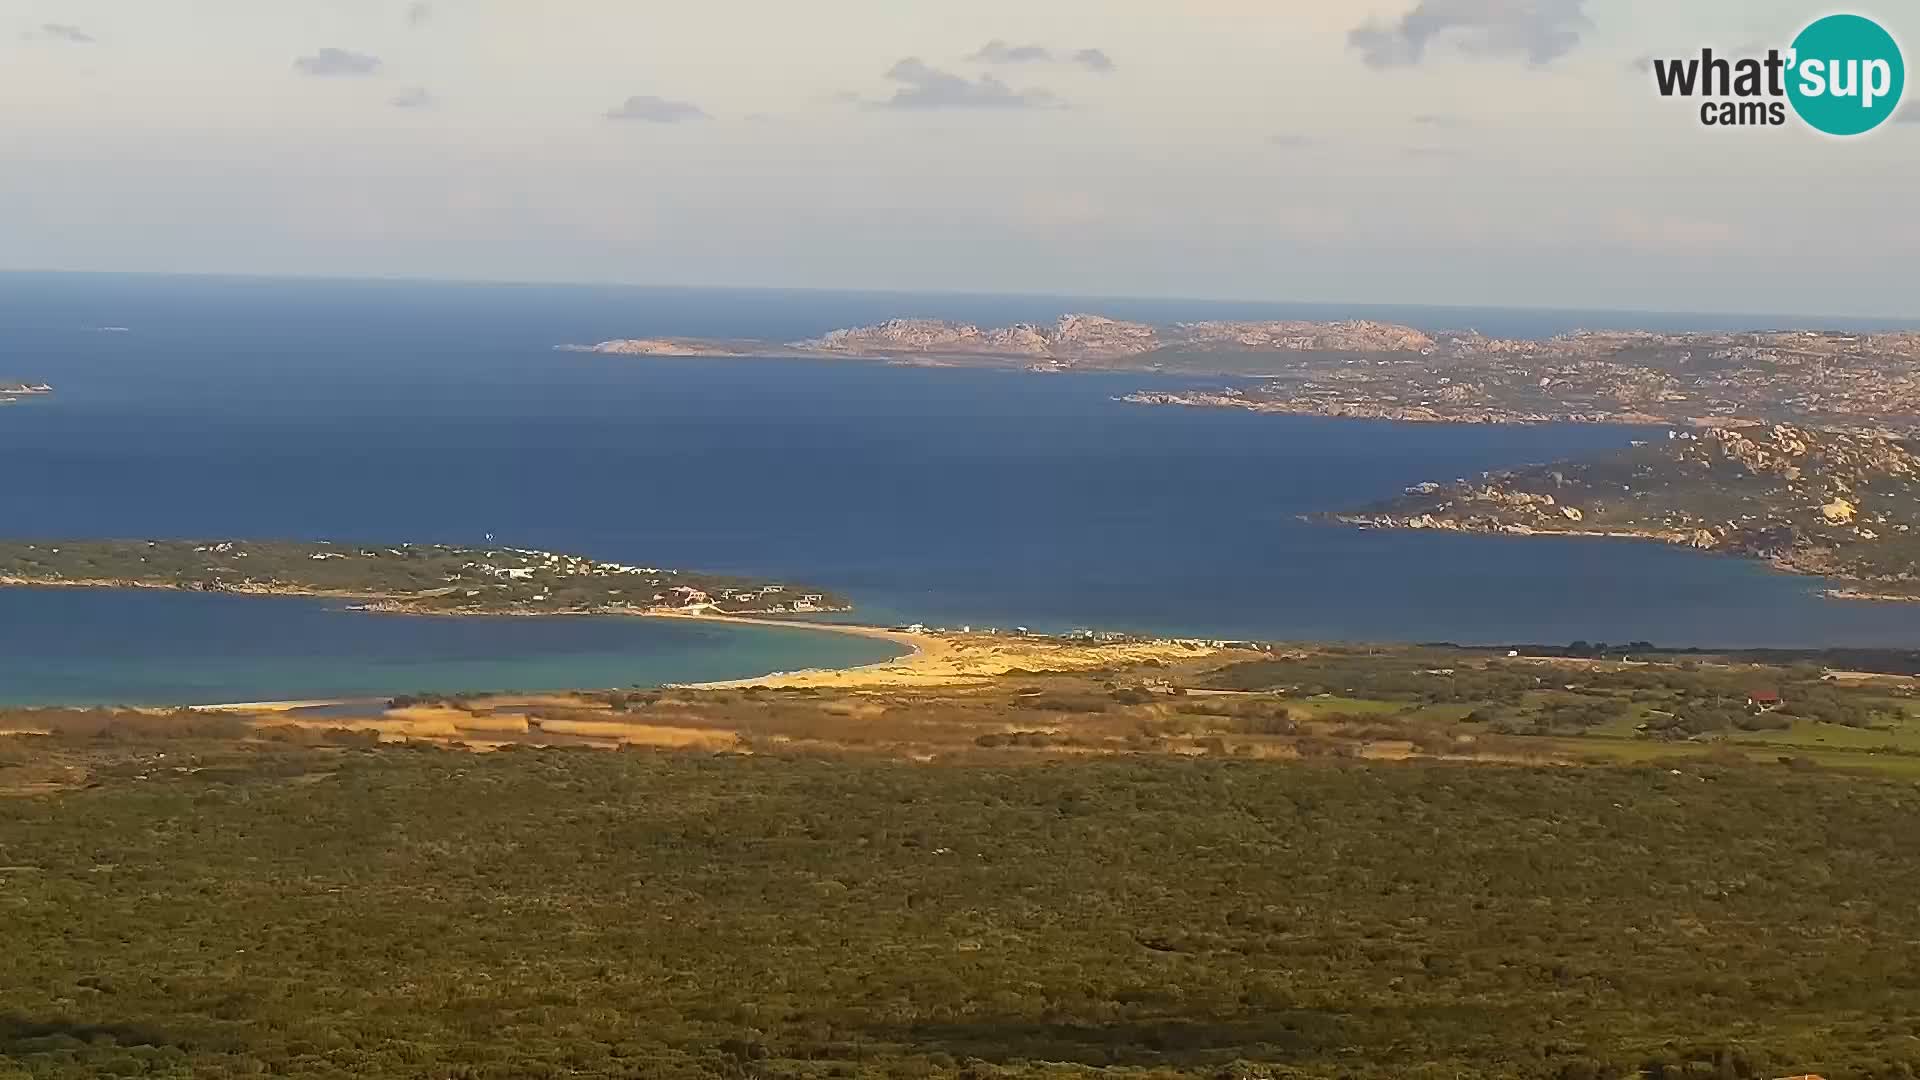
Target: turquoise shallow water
(88,647)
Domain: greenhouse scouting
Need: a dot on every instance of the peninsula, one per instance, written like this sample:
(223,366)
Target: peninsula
(436,579)
(1364,368)
(1847,381)
(1841,505)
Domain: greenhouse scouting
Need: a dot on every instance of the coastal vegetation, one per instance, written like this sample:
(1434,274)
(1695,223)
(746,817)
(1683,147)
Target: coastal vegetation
(196,896)
(1816,502)
(1844,381)
(961,696)
(415,578)
(1000,858)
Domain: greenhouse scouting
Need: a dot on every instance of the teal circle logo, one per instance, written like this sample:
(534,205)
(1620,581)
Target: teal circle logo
(1846,75)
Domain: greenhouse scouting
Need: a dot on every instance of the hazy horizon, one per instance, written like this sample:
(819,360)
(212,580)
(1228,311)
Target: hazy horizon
(1092,299)
(1445,153)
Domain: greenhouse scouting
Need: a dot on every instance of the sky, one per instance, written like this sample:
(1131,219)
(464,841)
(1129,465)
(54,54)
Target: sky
(1471,152)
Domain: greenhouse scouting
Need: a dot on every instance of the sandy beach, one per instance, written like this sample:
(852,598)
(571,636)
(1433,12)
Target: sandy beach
(952,659)
(932,660)
(282,706)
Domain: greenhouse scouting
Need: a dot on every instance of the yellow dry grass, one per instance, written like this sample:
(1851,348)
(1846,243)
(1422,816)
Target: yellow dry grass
(949,660)
(663,735)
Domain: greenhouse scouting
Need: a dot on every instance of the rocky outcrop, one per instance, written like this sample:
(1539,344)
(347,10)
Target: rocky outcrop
(1864,383)
(1357,335)
(1096,337)
(1073,337)
(1837,504)
(653,347)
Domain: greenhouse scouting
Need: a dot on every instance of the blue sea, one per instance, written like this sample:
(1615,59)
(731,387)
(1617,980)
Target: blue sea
(390,411)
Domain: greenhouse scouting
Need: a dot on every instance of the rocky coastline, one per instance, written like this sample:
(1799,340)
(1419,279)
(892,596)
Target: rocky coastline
(1835,505)
(1365,369)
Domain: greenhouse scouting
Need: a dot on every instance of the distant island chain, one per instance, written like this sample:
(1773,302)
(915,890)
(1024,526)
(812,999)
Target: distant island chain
(1363,368)
(1789,446)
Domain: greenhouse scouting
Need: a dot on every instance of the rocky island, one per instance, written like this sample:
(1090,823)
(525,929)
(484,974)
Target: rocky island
(1092,342)
(662,347)
(434,579)
(1363,368)
(1841,505)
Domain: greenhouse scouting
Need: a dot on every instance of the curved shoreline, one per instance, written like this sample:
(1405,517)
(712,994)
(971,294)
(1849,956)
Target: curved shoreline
(916,646)
(915,643)
(913,646)
(920,649)
(379,603)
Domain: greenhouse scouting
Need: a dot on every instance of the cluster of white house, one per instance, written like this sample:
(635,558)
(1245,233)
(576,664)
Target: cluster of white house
(573,565)
(563,566)
(683,596)
(760,595)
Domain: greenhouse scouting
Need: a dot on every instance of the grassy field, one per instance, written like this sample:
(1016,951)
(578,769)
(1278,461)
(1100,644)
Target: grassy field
(1617,710)
(1043,697)
(213,904)
(1415,863)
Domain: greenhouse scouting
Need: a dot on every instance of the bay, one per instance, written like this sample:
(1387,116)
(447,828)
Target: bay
(380,411)
(150,647)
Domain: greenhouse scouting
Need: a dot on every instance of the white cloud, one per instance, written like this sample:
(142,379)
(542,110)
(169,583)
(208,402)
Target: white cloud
(926,87)
(338,62)
(999,51)
(1094,60)
(61,32)
(1539,30)
(656,110)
